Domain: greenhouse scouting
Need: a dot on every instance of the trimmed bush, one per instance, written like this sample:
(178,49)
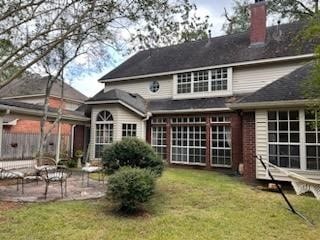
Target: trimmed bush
(132,152)
(131,187)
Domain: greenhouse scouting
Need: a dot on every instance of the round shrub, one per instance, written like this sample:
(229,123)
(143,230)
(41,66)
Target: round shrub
(132,152)
(131,187)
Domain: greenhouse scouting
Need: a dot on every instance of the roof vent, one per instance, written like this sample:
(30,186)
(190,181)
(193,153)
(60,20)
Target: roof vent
(133,95)
(278,33)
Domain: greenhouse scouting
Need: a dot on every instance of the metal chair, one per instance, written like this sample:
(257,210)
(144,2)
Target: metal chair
(92,169)
(58,175)
(13,174)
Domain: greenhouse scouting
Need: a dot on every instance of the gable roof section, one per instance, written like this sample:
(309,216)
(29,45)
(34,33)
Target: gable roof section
(222,50)
(34,84)
(129,100)
(286,89)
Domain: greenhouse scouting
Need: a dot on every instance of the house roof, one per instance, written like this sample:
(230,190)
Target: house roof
(133,100)
(37,110)
(138,103)
(34,84)
(221,50)
(287,88)
(188,105)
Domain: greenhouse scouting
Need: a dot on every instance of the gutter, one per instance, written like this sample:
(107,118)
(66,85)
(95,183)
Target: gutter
(268,104)
(40,113)
(192,110)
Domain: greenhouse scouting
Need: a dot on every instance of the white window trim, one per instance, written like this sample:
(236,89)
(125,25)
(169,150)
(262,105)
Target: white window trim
(209,93)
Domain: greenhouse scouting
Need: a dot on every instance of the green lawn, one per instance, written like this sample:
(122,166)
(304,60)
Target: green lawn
(189,204)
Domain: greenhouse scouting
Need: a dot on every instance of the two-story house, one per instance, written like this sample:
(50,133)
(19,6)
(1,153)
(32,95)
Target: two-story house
(215,103)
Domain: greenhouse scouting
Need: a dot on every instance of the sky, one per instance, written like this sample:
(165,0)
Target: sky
(89,84)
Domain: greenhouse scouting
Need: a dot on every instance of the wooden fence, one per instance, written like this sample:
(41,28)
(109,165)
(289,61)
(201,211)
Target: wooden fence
(23,146)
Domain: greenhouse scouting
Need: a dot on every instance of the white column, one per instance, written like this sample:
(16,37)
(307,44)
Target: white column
(58,143)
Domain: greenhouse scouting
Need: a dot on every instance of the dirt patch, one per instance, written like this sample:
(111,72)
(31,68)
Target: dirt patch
(5,206)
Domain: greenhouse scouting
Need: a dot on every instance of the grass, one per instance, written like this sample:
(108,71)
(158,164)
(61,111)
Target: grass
(188,204)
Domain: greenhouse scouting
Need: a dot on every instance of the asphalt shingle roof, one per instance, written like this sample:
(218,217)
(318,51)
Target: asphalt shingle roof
(216,51)
(34,84)
(188,104)
(289,87)
(162,105)
(133,100)
(37,107)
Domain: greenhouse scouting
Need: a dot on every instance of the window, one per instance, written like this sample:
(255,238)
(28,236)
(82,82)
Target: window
(200,81)
(312,135)
(219,79)
(189,145)
(203,81)
(284,138)
(221,146)
(104,132)
(129,130)
(154,86)
(158,141)
(189,120)
(184,83)
(159,120)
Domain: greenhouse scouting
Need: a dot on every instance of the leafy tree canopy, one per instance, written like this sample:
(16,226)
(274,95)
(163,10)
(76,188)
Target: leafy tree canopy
(290,10)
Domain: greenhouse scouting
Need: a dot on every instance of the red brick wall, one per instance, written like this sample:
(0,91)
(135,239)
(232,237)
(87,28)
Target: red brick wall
(249,146)
(258,29)
(33,126)
(236,128)
(55,102)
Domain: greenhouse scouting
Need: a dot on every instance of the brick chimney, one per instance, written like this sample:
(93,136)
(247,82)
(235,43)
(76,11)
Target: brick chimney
(258,29)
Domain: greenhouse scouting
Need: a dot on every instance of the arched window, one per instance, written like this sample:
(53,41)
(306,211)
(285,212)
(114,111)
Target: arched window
(104,132)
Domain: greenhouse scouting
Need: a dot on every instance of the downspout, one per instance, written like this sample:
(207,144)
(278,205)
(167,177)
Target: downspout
(149,114)
(72,140)
(1,129)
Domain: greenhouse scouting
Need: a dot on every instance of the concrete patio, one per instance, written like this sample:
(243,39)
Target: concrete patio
(34,192)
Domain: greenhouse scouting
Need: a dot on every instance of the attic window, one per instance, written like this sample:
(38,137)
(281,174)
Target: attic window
(154,86)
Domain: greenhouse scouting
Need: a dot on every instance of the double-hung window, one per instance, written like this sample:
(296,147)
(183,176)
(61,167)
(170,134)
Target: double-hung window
(219,79)
(184,83)
(129,130)
(200,81)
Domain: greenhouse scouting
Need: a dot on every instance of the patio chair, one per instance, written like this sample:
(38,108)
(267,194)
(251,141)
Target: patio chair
(13,174)
(59,174)
(92,169)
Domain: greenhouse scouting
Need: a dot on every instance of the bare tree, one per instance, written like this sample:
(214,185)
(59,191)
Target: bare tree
(52,34)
